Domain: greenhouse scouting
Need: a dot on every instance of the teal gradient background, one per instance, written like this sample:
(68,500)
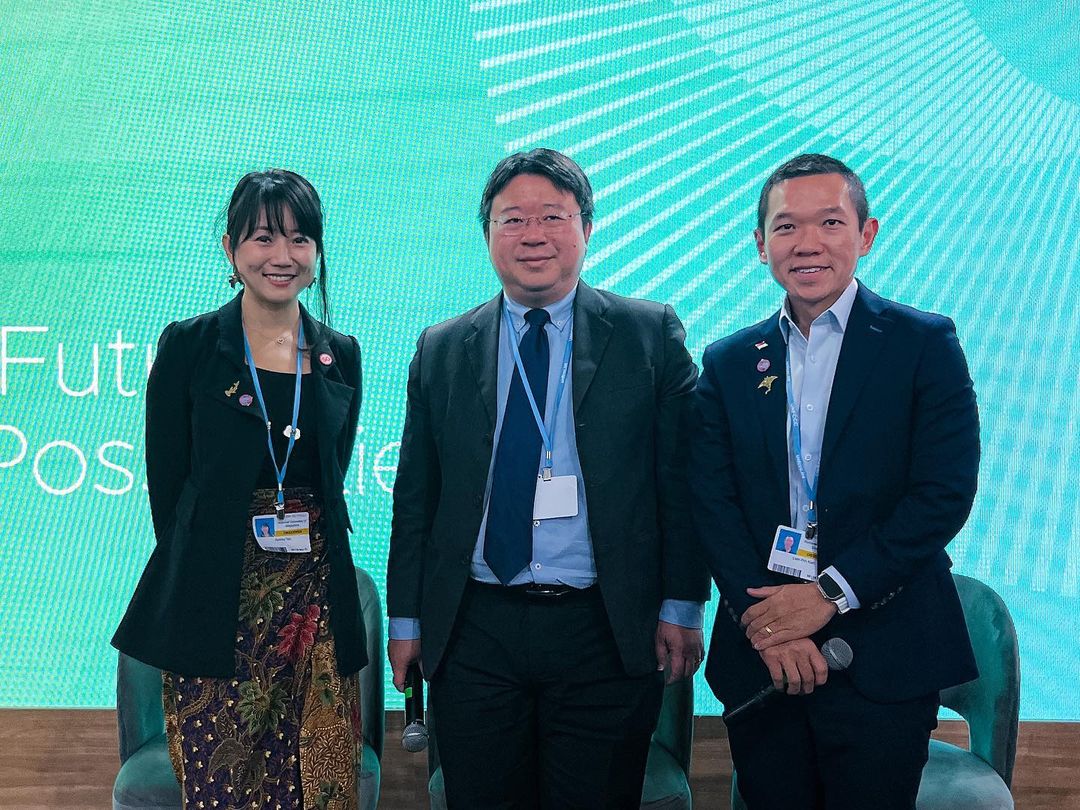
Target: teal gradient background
(126,124)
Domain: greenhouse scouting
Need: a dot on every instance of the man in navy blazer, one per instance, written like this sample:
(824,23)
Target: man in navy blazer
(852,421)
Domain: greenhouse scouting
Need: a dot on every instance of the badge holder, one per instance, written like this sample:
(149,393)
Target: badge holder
(291,534)
(794,554)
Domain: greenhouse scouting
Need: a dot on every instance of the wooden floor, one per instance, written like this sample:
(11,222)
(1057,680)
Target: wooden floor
(67,759)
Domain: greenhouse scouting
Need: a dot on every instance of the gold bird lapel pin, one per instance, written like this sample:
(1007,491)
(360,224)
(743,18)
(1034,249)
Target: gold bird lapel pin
(766,382)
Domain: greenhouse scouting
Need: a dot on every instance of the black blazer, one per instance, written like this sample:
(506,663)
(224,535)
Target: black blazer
(899,468)
(632,379)
(203,454)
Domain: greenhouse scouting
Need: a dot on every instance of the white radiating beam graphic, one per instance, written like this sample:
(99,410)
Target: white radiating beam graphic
(569,42)
(584,64)
(555,19)
(604,109)
(586,89)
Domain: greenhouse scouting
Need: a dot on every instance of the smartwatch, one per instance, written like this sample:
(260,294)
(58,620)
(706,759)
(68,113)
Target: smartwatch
(832,591)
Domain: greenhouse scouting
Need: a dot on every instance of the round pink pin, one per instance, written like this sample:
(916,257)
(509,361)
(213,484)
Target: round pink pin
(245,400)
(325,358)
(763,364)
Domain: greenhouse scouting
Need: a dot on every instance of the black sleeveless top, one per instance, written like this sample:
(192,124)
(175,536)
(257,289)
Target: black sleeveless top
(278,388)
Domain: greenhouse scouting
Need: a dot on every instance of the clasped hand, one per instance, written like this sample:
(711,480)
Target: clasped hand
(796,667)
(785,613)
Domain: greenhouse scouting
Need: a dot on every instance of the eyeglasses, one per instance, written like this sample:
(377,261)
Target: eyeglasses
(549,223)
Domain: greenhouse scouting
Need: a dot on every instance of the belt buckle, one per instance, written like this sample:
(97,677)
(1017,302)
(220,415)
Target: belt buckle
(547,591)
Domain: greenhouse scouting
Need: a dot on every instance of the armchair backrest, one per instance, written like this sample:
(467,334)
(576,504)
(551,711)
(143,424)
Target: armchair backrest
(675,729)
(991,703)
(372,677)
(140,715)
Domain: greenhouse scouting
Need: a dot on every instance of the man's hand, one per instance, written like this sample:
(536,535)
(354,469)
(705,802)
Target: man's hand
(785,613)
(679,650)
(796,666)
(401,653)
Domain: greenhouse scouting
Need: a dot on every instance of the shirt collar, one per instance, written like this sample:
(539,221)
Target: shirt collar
(839,312)
(560,312)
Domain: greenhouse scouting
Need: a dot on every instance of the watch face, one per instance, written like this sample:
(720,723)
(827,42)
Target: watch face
(830,587)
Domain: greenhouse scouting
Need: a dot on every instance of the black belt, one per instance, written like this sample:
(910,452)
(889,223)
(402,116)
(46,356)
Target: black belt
(536,590)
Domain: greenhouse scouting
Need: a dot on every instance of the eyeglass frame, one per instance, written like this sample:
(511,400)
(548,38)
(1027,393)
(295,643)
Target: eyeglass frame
(555,226)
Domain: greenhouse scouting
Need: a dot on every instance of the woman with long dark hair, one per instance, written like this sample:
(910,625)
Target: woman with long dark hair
(249,603)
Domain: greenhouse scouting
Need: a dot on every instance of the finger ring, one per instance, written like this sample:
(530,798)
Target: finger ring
(768,630)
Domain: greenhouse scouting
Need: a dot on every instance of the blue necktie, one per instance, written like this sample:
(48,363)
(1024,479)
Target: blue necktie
(508,541)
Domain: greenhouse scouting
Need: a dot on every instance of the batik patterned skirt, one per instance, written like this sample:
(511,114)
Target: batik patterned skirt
(285,731)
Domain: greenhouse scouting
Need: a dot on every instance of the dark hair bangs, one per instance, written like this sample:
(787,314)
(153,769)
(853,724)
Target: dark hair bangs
(274,192)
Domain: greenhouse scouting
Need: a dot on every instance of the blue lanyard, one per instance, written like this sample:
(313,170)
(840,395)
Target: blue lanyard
(291,431)
(796,446)
(546,434)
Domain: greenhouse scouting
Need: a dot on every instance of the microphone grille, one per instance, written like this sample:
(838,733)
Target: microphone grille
(415,738)
(837,653)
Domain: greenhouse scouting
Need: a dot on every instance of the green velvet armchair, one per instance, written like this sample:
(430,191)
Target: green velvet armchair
(953,778)
(146,780)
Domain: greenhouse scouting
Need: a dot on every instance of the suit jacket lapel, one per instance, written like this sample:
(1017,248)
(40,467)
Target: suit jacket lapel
(591,334)
(482,351)
(231,380)
(867,328)
(770,402)
(331,393)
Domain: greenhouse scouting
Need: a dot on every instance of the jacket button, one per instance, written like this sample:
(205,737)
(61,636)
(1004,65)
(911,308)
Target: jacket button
(487,438)
(478,500)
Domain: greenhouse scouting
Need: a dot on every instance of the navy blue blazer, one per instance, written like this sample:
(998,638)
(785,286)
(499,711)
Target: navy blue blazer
(899,469)
(204,450)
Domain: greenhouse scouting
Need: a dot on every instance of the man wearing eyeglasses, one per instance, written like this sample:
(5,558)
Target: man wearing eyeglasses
(541,566)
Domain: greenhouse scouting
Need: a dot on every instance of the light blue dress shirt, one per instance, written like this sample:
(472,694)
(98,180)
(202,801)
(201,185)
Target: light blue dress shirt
(813,367)
(562,548)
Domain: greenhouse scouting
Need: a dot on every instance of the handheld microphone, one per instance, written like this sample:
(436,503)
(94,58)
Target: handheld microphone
(837,654)
(415,736)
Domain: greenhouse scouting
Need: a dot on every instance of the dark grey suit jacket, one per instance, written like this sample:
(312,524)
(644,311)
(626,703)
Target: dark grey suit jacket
(632,379)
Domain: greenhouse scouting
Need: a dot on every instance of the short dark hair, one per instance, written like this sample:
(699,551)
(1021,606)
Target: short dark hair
(810,164)
(274,191)
(563,173)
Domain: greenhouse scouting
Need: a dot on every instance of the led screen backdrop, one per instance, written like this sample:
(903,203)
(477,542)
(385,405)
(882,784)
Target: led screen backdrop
(124,125)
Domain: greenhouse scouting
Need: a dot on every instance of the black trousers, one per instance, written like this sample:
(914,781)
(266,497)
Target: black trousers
(531,707)
(834,750)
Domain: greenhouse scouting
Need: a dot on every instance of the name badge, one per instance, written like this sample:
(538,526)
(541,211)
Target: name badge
(555,497)
(794,554)
(289,534)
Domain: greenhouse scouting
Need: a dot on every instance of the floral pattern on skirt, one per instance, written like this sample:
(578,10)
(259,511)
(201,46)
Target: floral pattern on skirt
(285,731)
